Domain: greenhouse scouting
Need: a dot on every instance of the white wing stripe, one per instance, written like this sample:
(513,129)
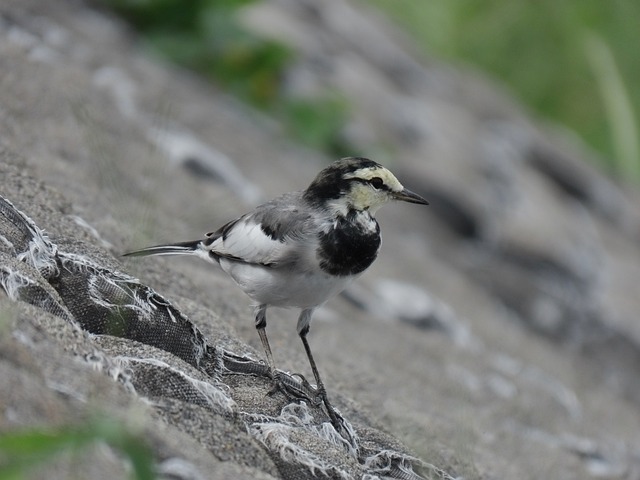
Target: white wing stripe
(247,241)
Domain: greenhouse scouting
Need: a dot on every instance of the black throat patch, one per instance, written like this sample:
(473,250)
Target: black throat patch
(348,248)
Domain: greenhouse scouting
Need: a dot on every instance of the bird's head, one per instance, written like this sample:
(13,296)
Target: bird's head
(356,183)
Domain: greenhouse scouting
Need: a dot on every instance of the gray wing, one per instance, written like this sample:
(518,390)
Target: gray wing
(276,233)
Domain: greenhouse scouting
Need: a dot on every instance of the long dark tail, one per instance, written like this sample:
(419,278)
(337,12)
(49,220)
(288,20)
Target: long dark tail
(182,248)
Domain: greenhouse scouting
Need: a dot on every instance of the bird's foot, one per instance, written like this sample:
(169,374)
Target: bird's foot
(292,388)
(297,387)
(344,428)
(316,395)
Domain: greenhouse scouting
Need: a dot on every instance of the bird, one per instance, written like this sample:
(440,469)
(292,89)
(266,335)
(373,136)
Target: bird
(302,248)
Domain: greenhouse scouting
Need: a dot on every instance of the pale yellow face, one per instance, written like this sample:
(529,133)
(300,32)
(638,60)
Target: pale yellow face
(364,195)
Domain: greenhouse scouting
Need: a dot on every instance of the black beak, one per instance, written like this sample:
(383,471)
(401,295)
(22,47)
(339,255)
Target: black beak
(408,196)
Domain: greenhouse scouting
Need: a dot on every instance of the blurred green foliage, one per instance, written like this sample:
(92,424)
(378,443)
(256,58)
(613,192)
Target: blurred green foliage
(205,35)
(23,450)
(575,62)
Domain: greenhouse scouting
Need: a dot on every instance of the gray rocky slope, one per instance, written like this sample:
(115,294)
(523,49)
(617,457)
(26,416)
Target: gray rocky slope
(497,335)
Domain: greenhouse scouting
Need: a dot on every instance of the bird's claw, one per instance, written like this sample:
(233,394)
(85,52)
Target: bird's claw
(292,389)
(316,395)
(297,387)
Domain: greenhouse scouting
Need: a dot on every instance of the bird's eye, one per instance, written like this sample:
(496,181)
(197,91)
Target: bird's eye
(376,182)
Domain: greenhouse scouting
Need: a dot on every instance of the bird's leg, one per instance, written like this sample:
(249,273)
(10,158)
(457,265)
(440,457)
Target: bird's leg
(281,381)
(304,321)
(261,326)
(321,392)
(336,419)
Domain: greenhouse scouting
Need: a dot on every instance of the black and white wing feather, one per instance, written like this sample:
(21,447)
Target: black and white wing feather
(275,234)
(182,248)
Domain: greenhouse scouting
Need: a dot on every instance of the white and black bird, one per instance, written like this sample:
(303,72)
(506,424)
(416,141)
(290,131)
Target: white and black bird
(302,248)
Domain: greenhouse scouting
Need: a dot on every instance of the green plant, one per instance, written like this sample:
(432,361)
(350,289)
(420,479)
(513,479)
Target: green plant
(618,106)
(205,35)
(538,49)
(317,123)
(23,450)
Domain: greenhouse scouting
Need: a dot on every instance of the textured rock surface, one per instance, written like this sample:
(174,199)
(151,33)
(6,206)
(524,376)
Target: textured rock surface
(497,336)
